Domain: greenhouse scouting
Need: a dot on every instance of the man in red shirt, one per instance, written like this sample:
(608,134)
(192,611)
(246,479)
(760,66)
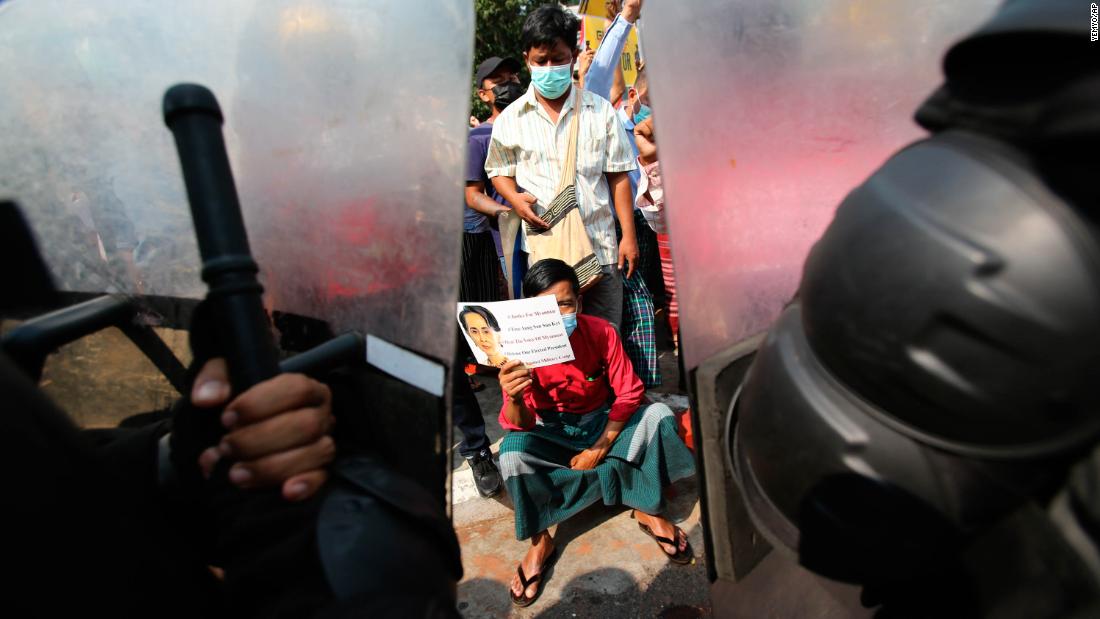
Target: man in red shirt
(580,432)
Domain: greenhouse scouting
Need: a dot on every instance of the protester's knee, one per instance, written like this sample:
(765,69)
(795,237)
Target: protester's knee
(511,464)
(509,459)
(657,411)
(512,442)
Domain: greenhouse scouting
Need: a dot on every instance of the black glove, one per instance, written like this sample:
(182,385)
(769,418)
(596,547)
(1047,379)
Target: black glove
(196,429)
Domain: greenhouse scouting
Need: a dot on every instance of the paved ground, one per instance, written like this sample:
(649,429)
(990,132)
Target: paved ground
(606,566)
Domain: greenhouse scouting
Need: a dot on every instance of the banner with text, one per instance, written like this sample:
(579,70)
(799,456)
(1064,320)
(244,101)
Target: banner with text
(530,330)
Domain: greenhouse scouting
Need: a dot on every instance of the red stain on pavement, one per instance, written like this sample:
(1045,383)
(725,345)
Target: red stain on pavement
(463,536)
(489,566)
(648,551)
(481,529)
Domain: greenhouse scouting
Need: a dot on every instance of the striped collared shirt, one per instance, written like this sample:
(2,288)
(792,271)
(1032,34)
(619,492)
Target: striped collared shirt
(528,146)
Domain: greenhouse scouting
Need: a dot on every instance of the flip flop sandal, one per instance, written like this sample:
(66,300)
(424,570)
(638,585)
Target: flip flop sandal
(683,557)
(522,600)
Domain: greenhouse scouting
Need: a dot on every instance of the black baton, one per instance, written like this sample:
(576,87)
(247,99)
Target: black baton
(192,113)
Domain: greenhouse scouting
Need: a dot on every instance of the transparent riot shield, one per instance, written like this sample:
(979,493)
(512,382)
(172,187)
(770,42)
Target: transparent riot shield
(345,126)
(767,113)
(766,120)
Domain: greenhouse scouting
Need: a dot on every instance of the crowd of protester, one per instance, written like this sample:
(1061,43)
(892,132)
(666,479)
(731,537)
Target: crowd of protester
(626,229)
(564,421)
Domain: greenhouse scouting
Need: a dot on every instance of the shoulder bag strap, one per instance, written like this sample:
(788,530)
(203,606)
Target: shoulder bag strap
(569,166)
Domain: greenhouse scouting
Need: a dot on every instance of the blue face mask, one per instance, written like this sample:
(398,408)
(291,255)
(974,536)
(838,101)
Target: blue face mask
(642,114)
(552,82)
(570,321)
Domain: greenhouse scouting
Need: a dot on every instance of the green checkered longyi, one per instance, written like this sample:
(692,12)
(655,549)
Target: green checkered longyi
(647,456)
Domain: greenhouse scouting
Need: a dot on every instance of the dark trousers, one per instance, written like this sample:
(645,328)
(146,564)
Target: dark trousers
(466,412)
(480,280)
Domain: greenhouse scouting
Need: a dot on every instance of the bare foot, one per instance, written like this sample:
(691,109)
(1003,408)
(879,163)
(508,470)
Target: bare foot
(663,528)
(542,546)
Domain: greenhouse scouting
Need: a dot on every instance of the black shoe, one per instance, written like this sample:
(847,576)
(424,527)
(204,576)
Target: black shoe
(486,475)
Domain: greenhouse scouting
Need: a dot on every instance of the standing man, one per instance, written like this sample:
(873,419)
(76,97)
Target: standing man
(497,82)
(638,323)
(602,79)
(528,147)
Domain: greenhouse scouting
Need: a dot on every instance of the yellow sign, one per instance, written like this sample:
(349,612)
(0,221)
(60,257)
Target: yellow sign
(593,27)
(599,8)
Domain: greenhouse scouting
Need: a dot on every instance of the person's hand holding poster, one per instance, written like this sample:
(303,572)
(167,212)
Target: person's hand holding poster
(530,330)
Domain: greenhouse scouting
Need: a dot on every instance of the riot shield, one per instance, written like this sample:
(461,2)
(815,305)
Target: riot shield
(772,114)
(767,113)
(345,127)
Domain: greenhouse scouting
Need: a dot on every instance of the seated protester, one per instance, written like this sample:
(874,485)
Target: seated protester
(579,433)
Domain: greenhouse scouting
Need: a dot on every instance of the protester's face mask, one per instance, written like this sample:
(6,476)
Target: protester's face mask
(552,82)
(504,94)
(570,321)
(643,113)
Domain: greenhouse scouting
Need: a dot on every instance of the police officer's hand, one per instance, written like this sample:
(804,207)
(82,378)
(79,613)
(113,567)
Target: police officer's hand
(277,431)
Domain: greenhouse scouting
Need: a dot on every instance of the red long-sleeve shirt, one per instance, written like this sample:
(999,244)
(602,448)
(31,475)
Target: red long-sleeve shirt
(600,370)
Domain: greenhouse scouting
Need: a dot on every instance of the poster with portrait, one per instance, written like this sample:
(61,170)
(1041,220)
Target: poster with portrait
(530,330)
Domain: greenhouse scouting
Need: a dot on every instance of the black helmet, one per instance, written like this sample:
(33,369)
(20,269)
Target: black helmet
(955,291)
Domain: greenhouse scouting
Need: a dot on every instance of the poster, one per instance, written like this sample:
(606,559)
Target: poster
(530,330)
